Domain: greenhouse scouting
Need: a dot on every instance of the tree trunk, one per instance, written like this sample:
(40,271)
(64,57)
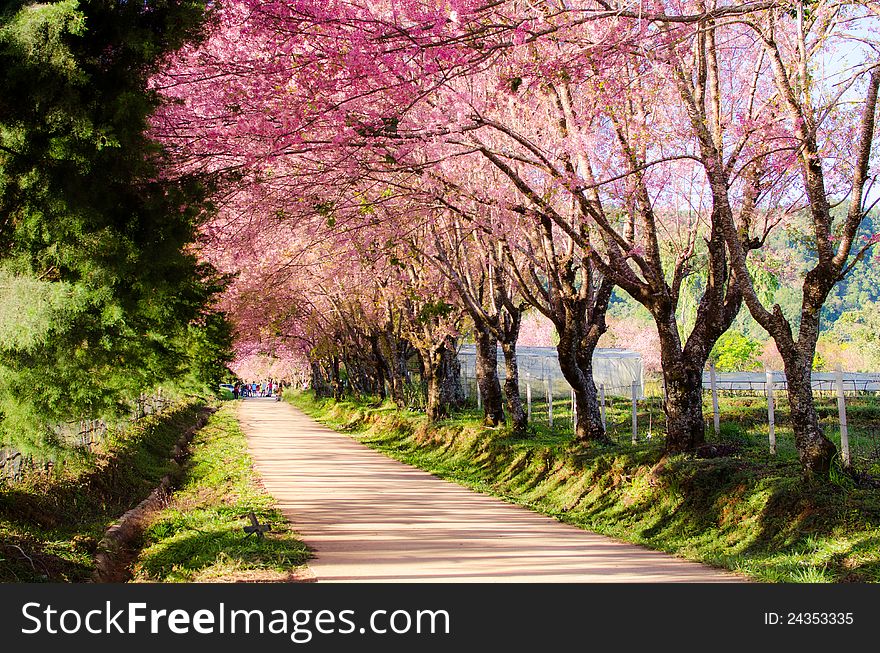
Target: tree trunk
(815,451)
(589,423)
(380,384)
(451,392)
(487,377)
(336,379)
(318,382)
(589,416)
(683,378)
(434,406)
(518,417)
(381,366)
(399,377)
(354,376)
(443,377)
(685,429)
(396,369)
(438,392)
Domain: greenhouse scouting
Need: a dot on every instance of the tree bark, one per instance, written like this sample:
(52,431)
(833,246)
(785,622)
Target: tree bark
(355,377)
(574,351)
(318,382)
(336,379)
(815,451)
(685,430)
(434,406)
(381,366)
(395,351)
(683,377)
(443,376)
(518,417)
(451,392)
(487,377)
(589,416)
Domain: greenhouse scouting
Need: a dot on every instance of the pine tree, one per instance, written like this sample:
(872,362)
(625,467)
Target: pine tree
(101,296)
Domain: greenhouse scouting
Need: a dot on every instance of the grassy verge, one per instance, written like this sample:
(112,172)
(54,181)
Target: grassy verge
(50,524)
(743,424)
(751,514)
(199,535)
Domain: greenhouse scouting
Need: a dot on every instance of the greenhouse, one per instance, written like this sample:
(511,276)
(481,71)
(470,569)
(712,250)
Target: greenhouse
(615,369)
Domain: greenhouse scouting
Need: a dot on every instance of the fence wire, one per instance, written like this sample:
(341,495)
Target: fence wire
(639,414)
(83,434)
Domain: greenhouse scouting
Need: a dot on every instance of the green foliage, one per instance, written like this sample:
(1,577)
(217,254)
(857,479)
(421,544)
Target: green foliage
(101,296)
(858,329)
(209,346)
(433,310)
(736,352)
(765,275)
(796,245)
(29,307)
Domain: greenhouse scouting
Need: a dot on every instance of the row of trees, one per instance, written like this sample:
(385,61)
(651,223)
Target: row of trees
(101,295)
(408,170)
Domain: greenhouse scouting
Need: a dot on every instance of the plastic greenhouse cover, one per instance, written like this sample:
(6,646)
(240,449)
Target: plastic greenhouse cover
(616,369)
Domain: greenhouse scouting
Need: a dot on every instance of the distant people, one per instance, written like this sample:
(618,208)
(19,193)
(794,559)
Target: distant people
(235,390)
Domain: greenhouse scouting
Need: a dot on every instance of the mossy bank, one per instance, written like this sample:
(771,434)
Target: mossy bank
(51,523)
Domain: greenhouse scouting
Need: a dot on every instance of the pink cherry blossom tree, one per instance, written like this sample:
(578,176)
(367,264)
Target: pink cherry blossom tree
(821,127)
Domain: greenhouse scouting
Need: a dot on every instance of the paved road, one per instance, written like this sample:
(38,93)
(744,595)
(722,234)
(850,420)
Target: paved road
(370,518)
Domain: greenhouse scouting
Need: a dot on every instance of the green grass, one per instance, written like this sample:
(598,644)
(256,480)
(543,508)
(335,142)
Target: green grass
(743,423)
(199,535)
(748,512)
(50,524)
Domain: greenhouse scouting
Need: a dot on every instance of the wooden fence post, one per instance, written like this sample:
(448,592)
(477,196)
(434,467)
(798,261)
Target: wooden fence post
(715,414)
(635,411)
(465,386)
(479,398)
(549,391)
(528,398)
(574,412)
(841,410)
(602,404)
(770,412)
